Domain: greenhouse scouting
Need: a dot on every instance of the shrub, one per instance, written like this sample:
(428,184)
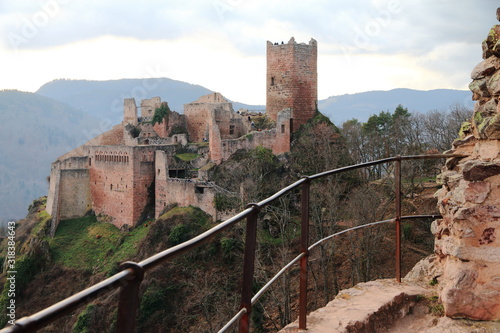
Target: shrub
(84,320)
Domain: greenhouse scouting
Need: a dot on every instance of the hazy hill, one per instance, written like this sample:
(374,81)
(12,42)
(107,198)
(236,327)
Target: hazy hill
(362,105)
(35,131)
(104,99)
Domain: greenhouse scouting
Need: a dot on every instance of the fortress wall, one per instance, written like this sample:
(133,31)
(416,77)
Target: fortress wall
(75,200)
(67,196)
(111,183)
(143,178)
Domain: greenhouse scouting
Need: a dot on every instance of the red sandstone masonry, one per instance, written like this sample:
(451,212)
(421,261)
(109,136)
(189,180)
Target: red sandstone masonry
(292,80)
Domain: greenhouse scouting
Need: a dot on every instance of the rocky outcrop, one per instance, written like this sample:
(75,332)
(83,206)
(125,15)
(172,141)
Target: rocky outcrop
(466,241)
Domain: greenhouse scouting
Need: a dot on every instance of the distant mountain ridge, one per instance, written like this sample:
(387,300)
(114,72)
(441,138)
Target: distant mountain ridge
(104,99)
(362,105)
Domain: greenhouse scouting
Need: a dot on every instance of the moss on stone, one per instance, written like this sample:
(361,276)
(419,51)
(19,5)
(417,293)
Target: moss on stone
(481,126)
(478,118)
(464,129)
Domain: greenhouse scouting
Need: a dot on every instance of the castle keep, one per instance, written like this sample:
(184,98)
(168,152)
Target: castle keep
(292,80)
(139,165)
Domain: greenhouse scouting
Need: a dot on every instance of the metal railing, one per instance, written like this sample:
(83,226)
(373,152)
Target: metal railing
(131,274)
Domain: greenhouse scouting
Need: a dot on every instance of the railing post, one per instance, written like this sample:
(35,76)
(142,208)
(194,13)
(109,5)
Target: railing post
(397,177)
(248,268)
(304,244)
(129,299)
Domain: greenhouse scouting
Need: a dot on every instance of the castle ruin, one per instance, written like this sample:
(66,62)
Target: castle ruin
(135,167)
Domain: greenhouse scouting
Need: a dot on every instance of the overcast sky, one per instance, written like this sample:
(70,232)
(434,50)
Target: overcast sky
(362,44)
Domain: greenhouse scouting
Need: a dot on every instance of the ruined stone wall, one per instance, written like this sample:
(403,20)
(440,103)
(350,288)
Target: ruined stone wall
(231,124)
(130,111)
(292,80)
(175,123)
(198,114)
(469,201)
(147,131)
(161,170)
(284,125)
(185,192)
(148,106)
(252,140)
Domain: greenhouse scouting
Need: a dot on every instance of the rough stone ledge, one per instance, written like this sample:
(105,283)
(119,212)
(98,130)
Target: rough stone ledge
(367,307)
(385,306)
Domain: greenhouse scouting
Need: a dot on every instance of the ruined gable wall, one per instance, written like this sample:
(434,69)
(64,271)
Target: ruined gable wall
(173,124)
(148,106)
(197,115)
(199,112)
(292,80)
(231,124)
(112,137)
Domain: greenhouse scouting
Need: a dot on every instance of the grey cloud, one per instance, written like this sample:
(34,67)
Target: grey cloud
(361,26)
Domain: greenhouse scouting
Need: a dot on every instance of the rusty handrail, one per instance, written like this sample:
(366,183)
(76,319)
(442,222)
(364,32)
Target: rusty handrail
(131,275)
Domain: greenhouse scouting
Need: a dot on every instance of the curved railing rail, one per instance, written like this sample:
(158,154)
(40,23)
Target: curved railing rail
(131,274)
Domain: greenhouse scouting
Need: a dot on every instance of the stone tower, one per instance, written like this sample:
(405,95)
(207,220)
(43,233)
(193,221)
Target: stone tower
(292,80)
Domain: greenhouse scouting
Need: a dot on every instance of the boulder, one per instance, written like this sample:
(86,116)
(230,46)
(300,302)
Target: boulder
(485,68)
